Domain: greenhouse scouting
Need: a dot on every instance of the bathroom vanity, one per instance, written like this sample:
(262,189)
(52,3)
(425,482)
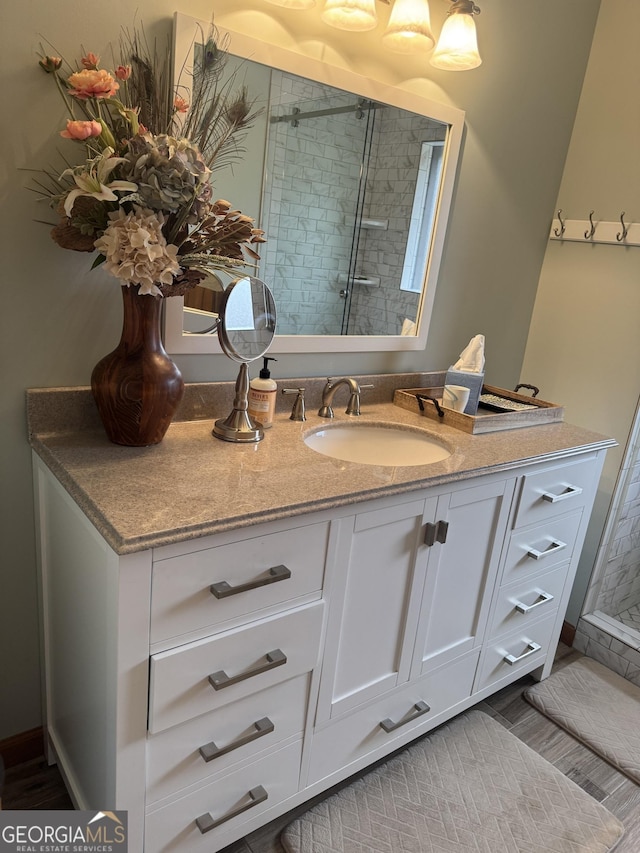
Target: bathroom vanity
(230,630)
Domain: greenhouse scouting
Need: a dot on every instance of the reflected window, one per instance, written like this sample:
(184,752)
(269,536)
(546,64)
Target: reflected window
(423,213)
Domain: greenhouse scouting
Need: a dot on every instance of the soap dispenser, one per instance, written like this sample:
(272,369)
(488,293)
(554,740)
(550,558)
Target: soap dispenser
(262,396)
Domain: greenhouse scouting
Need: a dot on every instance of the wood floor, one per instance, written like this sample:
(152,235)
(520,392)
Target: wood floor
(36,786)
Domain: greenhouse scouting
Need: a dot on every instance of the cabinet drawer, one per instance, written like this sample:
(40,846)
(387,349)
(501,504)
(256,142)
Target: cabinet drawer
(520,603)
(556,490)
(344,741)
(226,801)
(526,649)
(210,744)
(542,547)
(234,581)
(199,677)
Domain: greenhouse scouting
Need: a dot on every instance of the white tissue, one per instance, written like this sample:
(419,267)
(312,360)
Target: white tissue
(472,356)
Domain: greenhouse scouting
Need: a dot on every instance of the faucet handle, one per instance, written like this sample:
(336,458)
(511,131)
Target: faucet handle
(353,408)
(298,410)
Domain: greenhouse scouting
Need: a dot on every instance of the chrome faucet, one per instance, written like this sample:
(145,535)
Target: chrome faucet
(353,407)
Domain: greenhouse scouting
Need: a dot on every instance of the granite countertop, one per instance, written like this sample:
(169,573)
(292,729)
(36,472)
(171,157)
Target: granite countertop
(192,484)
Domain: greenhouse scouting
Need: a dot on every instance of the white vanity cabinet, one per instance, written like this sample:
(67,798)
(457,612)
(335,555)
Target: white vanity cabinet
(210,685)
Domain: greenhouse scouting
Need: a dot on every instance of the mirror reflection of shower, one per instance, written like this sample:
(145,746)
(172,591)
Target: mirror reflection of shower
(350,195)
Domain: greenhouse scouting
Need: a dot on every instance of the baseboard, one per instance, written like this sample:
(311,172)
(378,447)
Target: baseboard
(22,747)
(567,634)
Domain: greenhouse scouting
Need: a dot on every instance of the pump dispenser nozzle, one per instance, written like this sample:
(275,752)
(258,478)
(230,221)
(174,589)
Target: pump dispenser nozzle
(265,373)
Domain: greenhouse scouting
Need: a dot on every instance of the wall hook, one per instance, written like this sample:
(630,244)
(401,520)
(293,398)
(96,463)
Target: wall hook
(560,231)
(589,234)
(622,235)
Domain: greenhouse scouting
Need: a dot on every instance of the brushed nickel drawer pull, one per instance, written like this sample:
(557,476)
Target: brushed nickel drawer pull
(256,795)
(436,533)
(532,648)
(223,589)
(569,492)
(554,546)
(418,710)
(261,728)
(220,679)
(543,598)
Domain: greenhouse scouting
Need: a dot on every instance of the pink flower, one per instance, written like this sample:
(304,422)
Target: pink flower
(90,61)
(92,83)
(123,72)
(180,105)
(50,63)
(81,129)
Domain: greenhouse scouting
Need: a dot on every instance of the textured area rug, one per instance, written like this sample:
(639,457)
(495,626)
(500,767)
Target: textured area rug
(470,787)
(598,707)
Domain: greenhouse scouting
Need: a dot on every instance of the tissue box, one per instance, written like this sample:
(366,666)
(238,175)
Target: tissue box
(472,381)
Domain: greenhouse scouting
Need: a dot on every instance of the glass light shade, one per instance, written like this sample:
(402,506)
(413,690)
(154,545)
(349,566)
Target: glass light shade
(294,4)
(356,15)
(409,27)
(457,48)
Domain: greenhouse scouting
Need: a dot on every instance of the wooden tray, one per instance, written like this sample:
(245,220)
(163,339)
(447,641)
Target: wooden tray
(484,420)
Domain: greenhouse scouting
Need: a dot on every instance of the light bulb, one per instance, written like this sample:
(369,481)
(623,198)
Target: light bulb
(457,48)
(357,15)
(409,27)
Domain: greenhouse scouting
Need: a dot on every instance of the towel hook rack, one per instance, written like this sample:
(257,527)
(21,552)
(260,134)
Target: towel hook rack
(622,235)
(560,231)
(589,234)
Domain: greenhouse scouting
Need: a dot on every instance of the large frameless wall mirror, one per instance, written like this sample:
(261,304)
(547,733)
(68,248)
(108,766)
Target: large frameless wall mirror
(352,183)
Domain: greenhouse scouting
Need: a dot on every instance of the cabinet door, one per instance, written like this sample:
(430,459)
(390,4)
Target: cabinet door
(375,604)
(461,573)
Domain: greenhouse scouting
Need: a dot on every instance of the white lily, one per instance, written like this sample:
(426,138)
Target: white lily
(93,180)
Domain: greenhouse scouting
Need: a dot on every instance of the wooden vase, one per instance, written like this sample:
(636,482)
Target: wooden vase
(137,387)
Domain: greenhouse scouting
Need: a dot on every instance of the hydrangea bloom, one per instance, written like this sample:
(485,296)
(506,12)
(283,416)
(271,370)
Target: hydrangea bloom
(136,251)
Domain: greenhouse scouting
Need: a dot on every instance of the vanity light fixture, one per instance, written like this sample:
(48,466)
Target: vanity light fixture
(457,48)
(409,27)
(354,15)
(294,4)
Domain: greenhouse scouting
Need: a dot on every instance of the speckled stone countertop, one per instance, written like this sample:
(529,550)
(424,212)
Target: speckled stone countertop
(192,484)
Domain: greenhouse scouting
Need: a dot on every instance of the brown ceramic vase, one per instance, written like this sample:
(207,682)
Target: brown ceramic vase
(137,387)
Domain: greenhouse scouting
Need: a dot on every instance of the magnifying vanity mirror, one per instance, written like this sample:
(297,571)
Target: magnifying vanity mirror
(246,327)
(351,180)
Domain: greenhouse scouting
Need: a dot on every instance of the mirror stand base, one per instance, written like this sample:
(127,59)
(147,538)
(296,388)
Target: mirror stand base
(238,427)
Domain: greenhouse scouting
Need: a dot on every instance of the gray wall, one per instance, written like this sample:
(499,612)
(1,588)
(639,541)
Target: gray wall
(584,341)
(58,318)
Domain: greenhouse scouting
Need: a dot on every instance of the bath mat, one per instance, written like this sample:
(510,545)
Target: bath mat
(470,787)
(598,707)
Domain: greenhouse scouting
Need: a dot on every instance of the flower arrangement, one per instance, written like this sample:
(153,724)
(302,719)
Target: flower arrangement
(141,195)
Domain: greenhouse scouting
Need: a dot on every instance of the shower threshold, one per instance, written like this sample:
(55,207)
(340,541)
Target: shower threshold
(613,625)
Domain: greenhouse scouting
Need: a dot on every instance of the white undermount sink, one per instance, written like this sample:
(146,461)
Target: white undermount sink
(377,444)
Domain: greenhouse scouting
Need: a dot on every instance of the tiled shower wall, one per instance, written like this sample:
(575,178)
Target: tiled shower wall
(620,580)
(309,203)
(392,179)
(615,588)
(313,172)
